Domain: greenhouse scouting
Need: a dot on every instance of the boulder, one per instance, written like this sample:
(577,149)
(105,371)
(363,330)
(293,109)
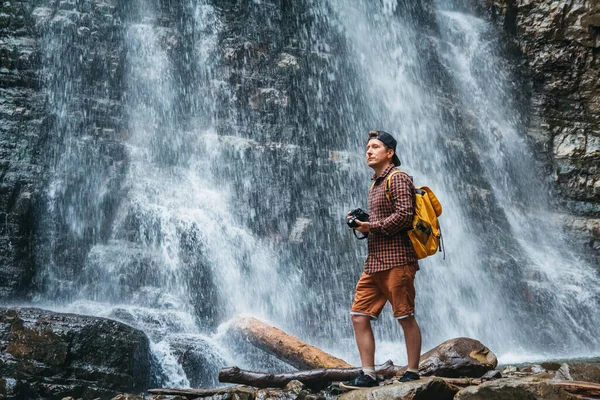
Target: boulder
(426,388)
(199,360)
(579,371)
(55,355)
(459,357)
(514,389)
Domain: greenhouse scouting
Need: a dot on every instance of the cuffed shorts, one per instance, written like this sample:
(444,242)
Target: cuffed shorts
(395,285)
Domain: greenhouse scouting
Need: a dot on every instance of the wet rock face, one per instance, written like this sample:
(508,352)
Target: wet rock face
(427,388)
(514,389)
(21,123)
(81,38)
(559,42)
(81,56)
(50,355)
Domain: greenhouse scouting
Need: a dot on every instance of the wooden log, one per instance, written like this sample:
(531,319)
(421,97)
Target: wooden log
(314,379)
(578,387)
(194,393)
(464,381)
(286,347)
(457,358)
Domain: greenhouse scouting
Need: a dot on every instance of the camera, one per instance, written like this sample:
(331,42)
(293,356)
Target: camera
(357,214)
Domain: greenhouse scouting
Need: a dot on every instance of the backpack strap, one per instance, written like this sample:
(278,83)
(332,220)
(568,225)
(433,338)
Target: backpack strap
(388,183)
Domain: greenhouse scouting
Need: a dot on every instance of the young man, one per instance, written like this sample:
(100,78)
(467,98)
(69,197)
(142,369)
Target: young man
(391,264)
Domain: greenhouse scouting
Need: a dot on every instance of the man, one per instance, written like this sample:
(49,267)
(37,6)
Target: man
(391,264)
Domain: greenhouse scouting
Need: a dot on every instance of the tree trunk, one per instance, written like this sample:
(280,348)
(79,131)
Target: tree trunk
(286,347)
(314,379)
(579,388)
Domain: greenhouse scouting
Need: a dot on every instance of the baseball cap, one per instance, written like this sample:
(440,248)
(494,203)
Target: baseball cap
(388,140)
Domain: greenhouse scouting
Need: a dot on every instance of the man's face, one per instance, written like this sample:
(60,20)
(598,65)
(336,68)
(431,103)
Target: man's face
(378,154)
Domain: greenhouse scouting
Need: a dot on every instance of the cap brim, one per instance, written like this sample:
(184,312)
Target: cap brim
(396,160)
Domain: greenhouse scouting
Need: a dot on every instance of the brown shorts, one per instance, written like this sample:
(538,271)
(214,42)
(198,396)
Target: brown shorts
(395,285)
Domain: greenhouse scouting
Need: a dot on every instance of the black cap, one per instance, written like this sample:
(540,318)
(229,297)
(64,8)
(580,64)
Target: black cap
(388,140)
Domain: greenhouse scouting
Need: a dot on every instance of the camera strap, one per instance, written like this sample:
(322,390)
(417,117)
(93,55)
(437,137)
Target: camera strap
(359,237)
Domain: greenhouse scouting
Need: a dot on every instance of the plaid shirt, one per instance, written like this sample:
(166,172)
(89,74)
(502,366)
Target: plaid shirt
(389,244)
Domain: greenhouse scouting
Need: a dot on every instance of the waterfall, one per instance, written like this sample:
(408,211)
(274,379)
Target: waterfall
(435,78)
(204,168)
(175,261)
(558,283)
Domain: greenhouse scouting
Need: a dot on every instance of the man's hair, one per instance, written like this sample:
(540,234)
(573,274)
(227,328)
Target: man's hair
(389,142)
(373,135)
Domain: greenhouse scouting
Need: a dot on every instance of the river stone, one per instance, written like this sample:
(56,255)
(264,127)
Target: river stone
(294,387)
(514,389)
(199,360)
(459,357)
(293,390)
(587,372)
(492,374)
(55,355)
(423,389)
(127,396)
(274,394)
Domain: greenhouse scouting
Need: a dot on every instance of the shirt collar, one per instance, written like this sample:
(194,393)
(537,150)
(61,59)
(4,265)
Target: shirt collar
(386,171)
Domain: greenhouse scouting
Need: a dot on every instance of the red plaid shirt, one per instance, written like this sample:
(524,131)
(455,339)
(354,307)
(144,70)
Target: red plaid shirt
(389,245)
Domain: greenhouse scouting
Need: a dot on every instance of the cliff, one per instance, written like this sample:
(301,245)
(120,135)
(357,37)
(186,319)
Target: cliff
(22,123)
(558,45)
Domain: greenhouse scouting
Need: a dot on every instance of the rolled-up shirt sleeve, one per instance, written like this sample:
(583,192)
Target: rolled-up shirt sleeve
(402,197)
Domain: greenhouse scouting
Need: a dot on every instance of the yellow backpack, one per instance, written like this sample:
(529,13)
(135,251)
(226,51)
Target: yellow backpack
(425,233)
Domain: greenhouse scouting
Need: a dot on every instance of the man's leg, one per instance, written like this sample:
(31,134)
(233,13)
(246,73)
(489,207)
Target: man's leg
(412,337)
(365,341)
(400,284)
(368,303)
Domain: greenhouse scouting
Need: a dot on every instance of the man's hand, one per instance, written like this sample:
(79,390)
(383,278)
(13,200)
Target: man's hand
(363,227)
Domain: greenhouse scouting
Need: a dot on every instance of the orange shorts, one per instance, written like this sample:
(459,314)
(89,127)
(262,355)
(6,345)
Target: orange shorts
(395,285)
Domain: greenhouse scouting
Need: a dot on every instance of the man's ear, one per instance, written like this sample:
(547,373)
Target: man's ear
(390,153)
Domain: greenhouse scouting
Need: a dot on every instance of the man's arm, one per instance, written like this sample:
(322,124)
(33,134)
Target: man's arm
(402,196)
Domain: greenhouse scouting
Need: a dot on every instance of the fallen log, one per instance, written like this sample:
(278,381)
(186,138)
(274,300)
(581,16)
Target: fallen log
(464,381)
(194,393)
(314,379)
(579,388)
(285,347)
(456,358)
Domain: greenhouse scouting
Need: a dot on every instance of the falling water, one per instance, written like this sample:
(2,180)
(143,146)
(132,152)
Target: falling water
(559,284)
(222,188)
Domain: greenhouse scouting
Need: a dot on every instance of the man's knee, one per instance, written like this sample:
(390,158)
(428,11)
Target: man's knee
(360,321)
(408,321)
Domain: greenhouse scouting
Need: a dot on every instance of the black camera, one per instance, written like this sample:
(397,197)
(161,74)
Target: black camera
(357,214)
